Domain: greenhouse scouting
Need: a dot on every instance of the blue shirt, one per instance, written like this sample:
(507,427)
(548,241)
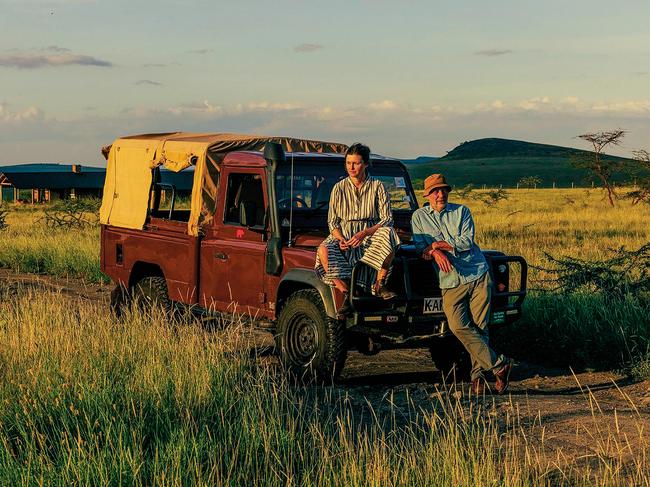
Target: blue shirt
(454,225)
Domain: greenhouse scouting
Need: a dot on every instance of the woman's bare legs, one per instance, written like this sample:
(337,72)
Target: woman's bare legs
(339,284)
(380,285)
(381,273)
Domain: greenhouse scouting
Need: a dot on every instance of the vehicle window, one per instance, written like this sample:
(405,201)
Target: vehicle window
(244,188)
(170,194)
(313,183)
(308,191)
(397,192)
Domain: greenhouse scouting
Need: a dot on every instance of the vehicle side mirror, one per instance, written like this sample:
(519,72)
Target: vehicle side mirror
(247,211)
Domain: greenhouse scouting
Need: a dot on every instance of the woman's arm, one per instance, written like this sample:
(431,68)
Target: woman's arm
(385,217)
(334,219)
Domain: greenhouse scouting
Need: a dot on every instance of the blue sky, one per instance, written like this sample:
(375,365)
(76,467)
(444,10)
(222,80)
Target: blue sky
(408,78)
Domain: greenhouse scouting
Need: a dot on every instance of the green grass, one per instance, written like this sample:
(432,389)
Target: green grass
(580,330)
(90,401)
(29,245)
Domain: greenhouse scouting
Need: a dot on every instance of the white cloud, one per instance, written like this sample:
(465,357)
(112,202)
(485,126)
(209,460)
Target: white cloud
(201,52)
(206,108)
(389,126)
(493,52)
(59,57)
(629,106)
(536,103)
(307,47)
(267,106)
(570,100)
(148,82)
(384,105)
(27,114)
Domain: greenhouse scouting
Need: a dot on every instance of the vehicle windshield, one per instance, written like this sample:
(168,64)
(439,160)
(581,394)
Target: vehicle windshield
(313,183)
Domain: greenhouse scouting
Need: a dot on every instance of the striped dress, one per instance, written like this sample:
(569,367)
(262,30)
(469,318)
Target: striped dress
(352,210)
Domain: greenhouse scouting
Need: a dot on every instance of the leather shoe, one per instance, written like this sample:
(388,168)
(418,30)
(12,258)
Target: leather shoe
(478,386)
(345,308)
(381,291)
(503,377)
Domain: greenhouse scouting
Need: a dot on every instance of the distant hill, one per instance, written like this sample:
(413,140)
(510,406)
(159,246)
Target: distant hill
(420,160)
(503,162)
(488,148)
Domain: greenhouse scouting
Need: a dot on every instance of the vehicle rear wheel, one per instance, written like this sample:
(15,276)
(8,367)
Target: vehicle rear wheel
(151,292)
(311,344)
(451,359)
(119,301)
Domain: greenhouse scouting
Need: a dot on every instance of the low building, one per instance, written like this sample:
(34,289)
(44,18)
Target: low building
(38,183)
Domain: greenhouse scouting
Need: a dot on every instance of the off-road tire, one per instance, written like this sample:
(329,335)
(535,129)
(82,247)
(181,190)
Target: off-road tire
(311,344)
(150,293)
(451,359)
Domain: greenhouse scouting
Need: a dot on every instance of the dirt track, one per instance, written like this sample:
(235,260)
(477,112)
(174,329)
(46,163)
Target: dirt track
(575,411)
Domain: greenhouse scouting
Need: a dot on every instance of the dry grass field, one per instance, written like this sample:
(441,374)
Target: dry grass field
(572,222)
(28,244)
(90,400)
(87,400)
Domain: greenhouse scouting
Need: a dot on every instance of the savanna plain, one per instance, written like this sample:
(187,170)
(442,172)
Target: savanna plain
(87,399)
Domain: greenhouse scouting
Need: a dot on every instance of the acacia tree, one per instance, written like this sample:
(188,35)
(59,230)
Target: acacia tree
(530,181)
(602,167)
(642,177)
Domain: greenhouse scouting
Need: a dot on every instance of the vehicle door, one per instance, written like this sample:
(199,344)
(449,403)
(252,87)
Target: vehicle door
(232,254)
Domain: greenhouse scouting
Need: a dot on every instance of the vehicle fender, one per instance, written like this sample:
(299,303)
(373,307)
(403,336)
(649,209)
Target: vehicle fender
(296,279)
(142,269)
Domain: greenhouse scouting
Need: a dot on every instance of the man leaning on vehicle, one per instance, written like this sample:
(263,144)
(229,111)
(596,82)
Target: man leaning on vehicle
(444,233)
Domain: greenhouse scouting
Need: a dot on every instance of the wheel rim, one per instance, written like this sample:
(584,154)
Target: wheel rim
(301,339)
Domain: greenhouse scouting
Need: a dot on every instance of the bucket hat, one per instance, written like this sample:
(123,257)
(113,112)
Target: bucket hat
(435,181)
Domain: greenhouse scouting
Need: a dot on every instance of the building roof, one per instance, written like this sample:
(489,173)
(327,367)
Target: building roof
(60,176)
(49,167)
(54,180)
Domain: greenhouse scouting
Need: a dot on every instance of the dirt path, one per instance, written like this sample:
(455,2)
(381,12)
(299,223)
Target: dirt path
(579,415)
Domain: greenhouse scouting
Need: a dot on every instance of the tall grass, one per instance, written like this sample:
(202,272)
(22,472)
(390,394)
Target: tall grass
(87,400)
(579,330)
(582,330)
(29,245)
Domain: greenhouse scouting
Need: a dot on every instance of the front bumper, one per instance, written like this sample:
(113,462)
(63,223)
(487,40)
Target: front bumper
(414,285)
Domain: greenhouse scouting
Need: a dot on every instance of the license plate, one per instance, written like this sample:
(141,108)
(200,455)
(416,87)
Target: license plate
(432,305)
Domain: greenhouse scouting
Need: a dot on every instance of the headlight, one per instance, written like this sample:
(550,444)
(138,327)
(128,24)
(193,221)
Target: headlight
(502,268)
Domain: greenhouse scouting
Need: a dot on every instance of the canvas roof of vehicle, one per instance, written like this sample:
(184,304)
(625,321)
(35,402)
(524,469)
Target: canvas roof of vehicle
(131,159)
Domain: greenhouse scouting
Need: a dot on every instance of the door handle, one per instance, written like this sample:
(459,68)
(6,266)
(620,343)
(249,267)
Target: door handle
(220,256)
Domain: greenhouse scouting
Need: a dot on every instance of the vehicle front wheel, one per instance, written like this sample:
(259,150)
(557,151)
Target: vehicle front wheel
(311,344)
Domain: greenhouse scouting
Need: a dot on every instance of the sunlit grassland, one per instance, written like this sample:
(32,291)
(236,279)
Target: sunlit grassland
(29,245)
(581,330)
(575,222)
(93,401)
(569,222)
